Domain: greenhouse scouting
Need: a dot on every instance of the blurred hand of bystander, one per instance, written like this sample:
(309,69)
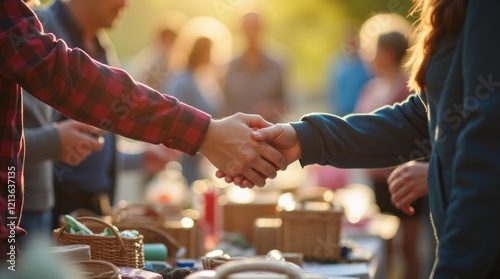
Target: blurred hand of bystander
(78,141)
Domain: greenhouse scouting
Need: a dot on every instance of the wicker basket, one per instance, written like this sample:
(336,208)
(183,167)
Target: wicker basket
(154,234)
(149,232)
(232,216)
(146,213)
(316,234)
(266,234)
(114,249)
(93,269)
(190,238)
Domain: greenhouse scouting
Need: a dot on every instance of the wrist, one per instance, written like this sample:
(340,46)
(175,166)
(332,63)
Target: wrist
(296,153)
(296,149)
(208,141)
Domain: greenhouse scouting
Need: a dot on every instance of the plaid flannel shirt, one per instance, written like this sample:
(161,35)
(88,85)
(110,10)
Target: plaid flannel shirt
(81,88)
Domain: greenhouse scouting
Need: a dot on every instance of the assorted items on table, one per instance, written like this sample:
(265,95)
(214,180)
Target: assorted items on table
(297,236)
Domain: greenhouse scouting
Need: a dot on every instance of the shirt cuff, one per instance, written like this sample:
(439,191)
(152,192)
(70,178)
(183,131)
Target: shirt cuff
(189,130)
(310,143)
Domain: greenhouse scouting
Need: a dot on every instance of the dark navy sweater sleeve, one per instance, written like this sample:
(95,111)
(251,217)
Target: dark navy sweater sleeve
(389,136)
(470,241)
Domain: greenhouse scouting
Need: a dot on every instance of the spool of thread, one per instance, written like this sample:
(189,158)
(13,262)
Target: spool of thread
(155,252)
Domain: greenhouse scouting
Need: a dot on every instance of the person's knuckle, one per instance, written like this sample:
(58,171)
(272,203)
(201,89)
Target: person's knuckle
(406,179)
(239,182)
(250,157)
(258,180)
(270,172)
(276,157)
(255,145)
(254,178)
(233,168)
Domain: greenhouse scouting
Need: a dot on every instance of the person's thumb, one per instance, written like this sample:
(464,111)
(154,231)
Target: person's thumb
(266,134)
(255,121)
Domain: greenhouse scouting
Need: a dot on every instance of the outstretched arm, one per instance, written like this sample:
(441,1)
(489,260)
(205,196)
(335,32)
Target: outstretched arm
(88,91)
(387,137)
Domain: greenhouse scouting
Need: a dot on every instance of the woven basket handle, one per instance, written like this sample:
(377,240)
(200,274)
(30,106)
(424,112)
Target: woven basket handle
(150,208)
(255,265)
(315,193)
(96,220)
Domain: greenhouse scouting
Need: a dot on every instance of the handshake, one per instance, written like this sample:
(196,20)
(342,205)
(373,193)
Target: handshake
(247,149)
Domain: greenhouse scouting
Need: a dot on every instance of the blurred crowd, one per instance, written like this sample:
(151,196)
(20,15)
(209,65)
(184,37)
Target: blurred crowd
(198,67)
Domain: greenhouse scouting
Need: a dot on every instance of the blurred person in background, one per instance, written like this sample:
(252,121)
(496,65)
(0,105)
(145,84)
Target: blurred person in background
(254,81)
(91,184)
(62,77)
(389,86)
(346,76)
(150,65)
(195,82)
(69,141)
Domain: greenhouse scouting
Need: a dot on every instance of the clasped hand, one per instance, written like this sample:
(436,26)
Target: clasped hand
(247,149)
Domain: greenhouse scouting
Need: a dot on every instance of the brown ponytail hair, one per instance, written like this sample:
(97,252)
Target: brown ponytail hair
(438,18)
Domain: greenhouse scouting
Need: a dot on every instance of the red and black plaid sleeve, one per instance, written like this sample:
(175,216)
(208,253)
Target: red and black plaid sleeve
(88,91)
(82,89)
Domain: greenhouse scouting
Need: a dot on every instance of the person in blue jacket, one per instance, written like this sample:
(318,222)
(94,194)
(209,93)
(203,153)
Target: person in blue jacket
(454,118)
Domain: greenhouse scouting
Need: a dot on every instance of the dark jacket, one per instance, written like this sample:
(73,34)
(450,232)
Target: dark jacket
(457,122)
